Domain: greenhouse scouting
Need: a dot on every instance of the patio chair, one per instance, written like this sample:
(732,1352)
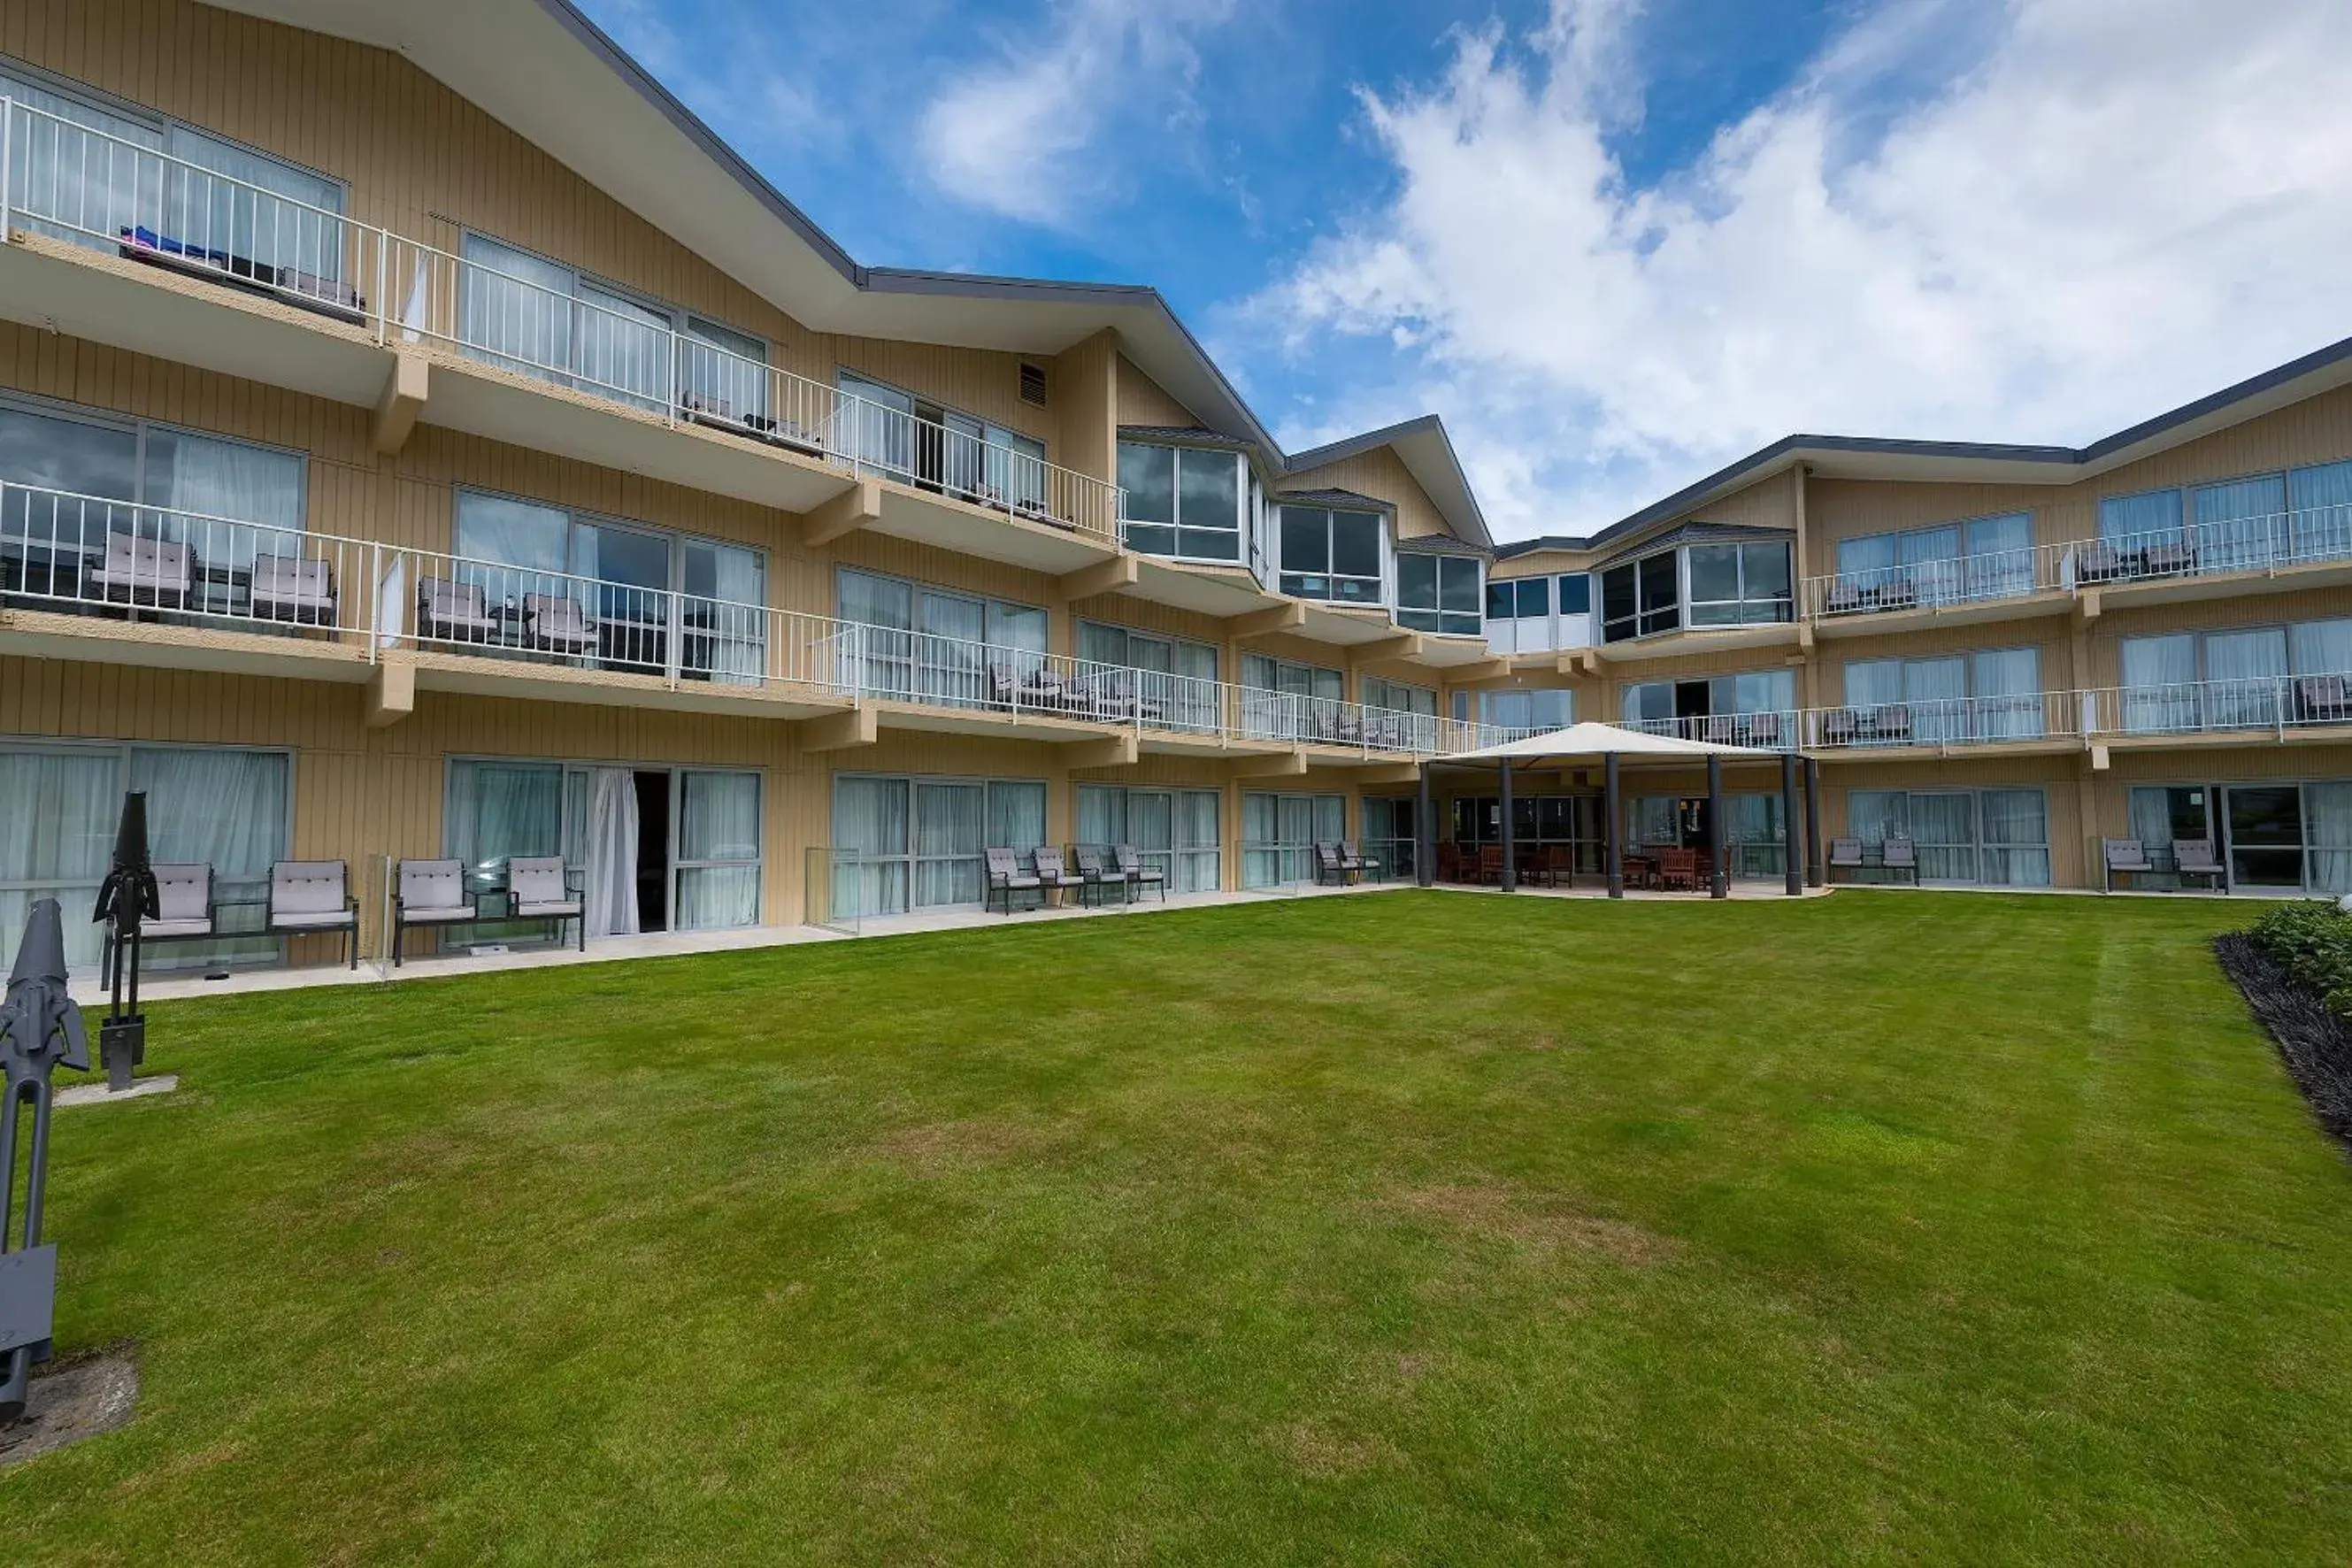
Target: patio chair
(430,893)
(2124,857)
(2195,858)
(309,897)
(1901,855)
(452,612)
(1139,875)
(1845,855)
(1353,861)
(2167,561)
(1678,869)
(1845,598)
(1556,864)
(1053,877)
(1892,723)
(1005,878)
(540,889)
(1490,864)
(292,588)
(137,570)
(557,623)
(184,896)
(1328,869)
(2099,562)
(1841,727)
(1095,879)
(2322,699)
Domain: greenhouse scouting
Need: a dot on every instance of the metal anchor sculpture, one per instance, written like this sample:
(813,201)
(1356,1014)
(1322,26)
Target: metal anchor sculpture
(127,899)
(40,1030)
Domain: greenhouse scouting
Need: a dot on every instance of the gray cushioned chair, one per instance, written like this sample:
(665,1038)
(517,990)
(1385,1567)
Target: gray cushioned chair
(540,889)
(429,893)
(307,897)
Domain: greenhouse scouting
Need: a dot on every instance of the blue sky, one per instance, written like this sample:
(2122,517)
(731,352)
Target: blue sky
(1614,243)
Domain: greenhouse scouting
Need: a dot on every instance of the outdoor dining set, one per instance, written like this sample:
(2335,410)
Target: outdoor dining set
(142,571)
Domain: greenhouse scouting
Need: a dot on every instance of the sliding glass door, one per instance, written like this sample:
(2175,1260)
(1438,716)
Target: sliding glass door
(902,844)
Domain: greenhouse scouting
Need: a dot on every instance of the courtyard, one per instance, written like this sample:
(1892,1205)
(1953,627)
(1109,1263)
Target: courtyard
(1404,1227)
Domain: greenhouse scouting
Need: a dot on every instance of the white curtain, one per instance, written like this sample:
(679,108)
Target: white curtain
(2328,826)
(1938,692)
(613,853)
(718,850)
(293,219)
(2321,500)
(57,815)
(2160,683)
(2016,837)
(1874,682)
(870,842)
(232,809)
(2243,673)
(2320,647)
(951,822)
(92,187)
(1875,815)
(1016,814)
(2239,522)
(1200,844)
(514,311)
(621,350)
(205,479)
(2137,521)
(2008,688)
(1944,824)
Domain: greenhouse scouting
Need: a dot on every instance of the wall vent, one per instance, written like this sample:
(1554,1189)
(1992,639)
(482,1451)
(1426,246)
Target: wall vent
(1033,385)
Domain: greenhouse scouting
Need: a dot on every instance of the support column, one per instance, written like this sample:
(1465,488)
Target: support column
(1510,844)
(1791,847)
(1813,876)
(1424,838)
(1718,879)
(1614,849)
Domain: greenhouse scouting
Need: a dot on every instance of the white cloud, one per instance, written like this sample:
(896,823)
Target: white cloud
(2112,207)
(1015,137)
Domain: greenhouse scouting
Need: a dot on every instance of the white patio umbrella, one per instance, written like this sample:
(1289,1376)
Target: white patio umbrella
(1590,740)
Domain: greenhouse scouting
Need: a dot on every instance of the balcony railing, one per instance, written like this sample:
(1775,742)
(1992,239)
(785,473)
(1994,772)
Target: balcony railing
(2276,704)
(1938,584)
(1943,721)
(1765,731)
(76,183)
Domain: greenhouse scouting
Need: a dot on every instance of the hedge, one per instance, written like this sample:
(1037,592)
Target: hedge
(2313,943)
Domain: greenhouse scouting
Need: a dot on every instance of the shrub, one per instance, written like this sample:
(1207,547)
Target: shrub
(2313,941)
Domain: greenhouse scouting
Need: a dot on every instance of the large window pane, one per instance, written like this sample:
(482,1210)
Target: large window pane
(58,815)
(1148,476)
(718,850)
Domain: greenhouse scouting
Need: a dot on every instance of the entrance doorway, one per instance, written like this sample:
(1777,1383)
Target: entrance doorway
(653,791)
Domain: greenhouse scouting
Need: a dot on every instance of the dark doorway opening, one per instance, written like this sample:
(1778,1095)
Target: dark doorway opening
(653,851)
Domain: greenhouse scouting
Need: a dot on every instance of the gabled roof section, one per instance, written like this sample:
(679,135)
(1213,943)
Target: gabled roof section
(1428,455)
(548,73)
(1984,462)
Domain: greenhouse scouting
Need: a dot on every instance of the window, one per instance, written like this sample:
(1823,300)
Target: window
(643,597)
(1403,717)
(1284,700)
(930,645)
(1390,841)
(1641,598)
(2242,677)
(1991,837)
(1279,833)
(921,843)
(1527,712)
(928,444)
(1398,697)
(716,857)
(1519,614)
(1573,821)
(1994,694)
(87,169)
(1982,558)
(1175,678)
(1739,585)
(1440,593)
(1183,501)
(1333,555)
(2139,519)
(1174,831)
(58,809)
(1754,708)
(2282,836)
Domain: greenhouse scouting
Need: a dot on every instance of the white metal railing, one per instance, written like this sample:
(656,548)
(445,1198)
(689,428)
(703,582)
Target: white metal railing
(1938,584)
(77,182)
(2260,543)
(2273,703)
(1330,721)
(1777,731)
(920,668)
(1942,722)
(58,549)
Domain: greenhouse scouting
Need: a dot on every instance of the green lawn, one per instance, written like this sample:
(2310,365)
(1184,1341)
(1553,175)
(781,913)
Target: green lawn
(1415,1228)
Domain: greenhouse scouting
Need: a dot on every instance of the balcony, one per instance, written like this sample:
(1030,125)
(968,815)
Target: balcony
(2022,722)
(92,577)
(2314,546)
(113,241)
(2280,708)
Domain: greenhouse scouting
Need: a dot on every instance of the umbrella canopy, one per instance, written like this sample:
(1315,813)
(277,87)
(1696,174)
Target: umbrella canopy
(1592,740)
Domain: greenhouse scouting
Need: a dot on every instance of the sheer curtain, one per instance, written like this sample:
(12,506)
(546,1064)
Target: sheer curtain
(2320,647)
(870,841)
(951,823)
(514,311)
(881,660)
(57,815)
(232,809)
(727,592)
(1261,841)
(2007,685)
(2244,674)
(202,478)
(1200,844)
(621,348)
(1944,824)
(91,187)
(1656,820)
(1938,692)
(1874,682)
(497,810)
(1102,814)
(2016,837)
(952,654)
(2137,521)
(2000,556)
(1875,815)
(2321,499)
(1016,815)
(2238,522)
(2328,826)
(293,219)
(718,850)
(612,830)
(2160,683)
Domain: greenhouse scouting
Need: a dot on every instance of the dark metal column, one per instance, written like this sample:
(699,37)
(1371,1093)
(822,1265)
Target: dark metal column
(1510,845)
(1814,877)
(1424,837)
(1718,879)
(1792,847)
(1615,850)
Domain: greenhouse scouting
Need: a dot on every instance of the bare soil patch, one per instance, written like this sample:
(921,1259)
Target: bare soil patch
(71,1400)
(1506,1213)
